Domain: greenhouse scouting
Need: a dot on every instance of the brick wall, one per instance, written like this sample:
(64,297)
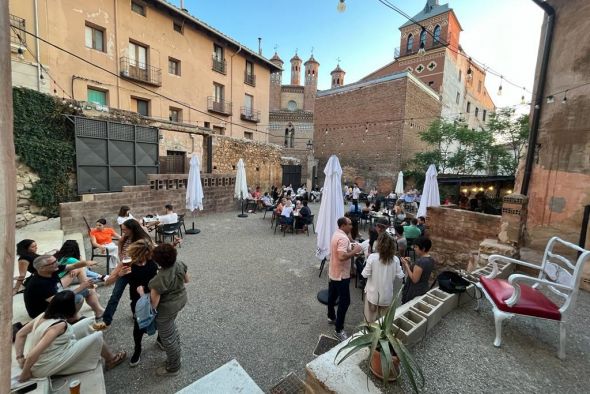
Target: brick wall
(165,189)
(456,233)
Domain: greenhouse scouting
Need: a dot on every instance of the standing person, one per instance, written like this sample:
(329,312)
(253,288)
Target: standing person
(138,274)
(27,253)
(101,237)
(168,297)
(355,196)
(421,224)
(384,274)
(341,253)
(132,232)
(419,272)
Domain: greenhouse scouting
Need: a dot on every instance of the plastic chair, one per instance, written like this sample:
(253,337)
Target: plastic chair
(182,226)
(268,209)
(167,231)
(557,274)
(284,225)
(95,252)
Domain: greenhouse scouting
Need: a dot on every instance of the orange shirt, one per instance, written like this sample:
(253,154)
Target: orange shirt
(339,269)
(103,237)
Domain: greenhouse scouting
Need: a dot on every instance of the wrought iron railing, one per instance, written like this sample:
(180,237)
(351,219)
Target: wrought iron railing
(249,78)
(249,114)
(218,105)
(17,31)
(142,72)
(218,65)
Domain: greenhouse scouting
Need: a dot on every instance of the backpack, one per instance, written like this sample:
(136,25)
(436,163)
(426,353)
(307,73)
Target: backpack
(451,282)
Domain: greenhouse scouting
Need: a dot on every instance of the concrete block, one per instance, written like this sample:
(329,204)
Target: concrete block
(229,378)
(449,301)
(431,309)
(412,326)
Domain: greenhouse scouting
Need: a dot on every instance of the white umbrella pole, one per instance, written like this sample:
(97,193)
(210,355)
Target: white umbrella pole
(193,230)
(242,215)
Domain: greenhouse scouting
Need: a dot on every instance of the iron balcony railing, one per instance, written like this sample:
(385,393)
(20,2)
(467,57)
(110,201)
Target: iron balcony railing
(249,79)
(217,105)
(17,31)
(218,65)
(249,114)
(142,72)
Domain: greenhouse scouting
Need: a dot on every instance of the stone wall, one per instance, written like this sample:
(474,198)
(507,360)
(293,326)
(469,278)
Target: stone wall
(456,234)
(163,189)
(262,160)
(26,211)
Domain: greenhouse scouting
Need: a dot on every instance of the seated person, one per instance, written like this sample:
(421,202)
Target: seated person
(367,208)
(399,215)
(101,237)
(297,206)
(304,215)
(257,194)
(392,195)
(70,254)
(46,283)
(170,217)
(266,200)
(417,274)
(412,231)
(124,215)
(402,242)
(27,253)
(421,224)
(287,212)
(58,348)
(354,208)
(280,206)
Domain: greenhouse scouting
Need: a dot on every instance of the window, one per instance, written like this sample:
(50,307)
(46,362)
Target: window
(207,125)
(218,130)
(175,114)
(218,92)
(458,97)
(468,106)
(217,52)
(476,112)
(478,86)
(249,68)
(143,106)
(483,115)
(178,27)
(138,56)
(138,8)
(249,76)
(248,102)
(248,135)
(97,96)
(410,45)
(94,37)
(292,105)
(430,83)
(423,39)
(436,34)
(173,66)
(218,59)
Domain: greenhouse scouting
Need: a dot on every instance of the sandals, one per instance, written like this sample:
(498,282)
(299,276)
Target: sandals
(99,326)
(118,359)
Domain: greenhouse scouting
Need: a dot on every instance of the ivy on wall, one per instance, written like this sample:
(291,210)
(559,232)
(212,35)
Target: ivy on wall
(44,141)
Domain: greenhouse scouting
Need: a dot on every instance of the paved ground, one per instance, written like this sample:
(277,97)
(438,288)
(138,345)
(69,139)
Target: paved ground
(252,298)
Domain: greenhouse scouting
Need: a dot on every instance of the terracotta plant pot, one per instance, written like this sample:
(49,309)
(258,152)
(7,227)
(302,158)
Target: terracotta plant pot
(375,367)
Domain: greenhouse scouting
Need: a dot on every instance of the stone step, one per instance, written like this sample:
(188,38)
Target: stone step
(229,378)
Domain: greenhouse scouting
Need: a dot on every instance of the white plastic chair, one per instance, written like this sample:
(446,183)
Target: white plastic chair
(519,295)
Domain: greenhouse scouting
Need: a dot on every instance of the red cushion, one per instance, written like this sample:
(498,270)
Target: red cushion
(531,302)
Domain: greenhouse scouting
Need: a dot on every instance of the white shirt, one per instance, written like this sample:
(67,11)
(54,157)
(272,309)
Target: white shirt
(169,218)
(355,193)
(123,219)
(380,278)
(287,211)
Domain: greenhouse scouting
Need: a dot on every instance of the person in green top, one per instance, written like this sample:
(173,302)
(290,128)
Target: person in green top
(70,254)
(412,231)
(168,297)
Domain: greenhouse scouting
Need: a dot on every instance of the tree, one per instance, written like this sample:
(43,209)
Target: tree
(512,132)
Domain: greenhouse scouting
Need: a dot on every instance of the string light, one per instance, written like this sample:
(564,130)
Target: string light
(550,99)
(341,7)
(564,101)
(500,87)
(522,100)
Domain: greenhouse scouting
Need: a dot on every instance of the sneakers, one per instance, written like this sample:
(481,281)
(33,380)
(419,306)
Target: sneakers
(163,371)
(341,336)
(331,321)
(160,344)
(135,359)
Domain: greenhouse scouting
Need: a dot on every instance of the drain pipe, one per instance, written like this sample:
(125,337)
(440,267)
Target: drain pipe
(231,89)
(534,131)
(37,48)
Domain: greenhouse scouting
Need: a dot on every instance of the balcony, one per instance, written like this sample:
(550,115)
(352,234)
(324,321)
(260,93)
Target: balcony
(218,65)
(218,106)
(249,114)
(17,35)
(131,69)
(249,79)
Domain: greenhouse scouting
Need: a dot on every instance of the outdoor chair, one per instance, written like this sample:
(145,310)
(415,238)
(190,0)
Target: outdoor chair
(181,226)
(364,219)
(166,231)
(268,209)
(410,252)
(106,255)
(520,294)
(282,223)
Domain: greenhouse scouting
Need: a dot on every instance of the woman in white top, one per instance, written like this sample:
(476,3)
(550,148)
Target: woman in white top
(124,215)
(384,274)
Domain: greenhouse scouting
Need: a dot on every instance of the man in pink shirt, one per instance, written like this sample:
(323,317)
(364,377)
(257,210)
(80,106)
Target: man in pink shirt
(341,253)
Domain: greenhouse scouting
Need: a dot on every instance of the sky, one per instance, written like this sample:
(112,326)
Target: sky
(502,34)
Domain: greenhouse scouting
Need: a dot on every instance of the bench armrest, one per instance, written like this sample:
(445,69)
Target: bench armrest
(515,278)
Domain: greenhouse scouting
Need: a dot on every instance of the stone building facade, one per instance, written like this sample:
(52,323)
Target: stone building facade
(26,211)
(378,131)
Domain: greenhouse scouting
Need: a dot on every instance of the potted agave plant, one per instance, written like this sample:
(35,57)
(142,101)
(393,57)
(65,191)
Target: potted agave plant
(388,354)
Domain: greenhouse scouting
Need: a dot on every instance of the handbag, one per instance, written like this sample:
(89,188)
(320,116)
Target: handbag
(451,282)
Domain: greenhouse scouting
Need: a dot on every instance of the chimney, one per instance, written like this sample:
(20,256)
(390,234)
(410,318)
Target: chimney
(260,46)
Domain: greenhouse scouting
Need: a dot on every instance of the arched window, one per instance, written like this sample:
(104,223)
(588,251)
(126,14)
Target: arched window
(423,39)
(437,34)
(410,45)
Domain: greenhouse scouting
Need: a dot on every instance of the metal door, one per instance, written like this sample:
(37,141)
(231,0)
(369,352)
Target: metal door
(292,175)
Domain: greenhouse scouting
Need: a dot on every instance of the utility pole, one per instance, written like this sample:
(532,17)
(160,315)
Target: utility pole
(8,203)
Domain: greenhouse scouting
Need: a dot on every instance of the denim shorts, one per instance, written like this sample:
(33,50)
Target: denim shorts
(81,296)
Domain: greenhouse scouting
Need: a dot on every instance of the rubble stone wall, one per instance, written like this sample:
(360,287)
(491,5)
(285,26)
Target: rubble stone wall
(26,211)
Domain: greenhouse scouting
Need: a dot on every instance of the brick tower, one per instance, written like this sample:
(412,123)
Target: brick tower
(311,83)
(295,70)
(275,84)
(337,77)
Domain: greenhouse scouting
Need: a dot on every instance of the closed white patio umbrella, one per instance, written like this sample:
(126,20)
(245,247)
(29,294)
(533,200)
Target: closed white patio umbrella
(241,189)
(399,186)
(331,208)
(430,194)
(194,191)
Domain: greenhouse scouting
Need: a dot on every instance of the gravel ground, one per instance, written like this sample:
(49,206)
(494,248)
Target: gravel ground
(252,297)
